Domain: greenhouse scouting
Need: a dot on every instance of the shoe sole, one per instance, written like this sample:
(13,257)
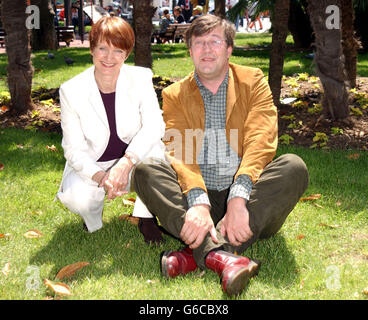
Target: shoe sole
(237,283)
(164,256)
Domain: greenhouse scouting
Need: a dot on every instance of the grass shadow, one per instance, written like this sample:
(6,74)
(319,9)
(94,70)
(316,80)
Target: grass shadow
(116,248)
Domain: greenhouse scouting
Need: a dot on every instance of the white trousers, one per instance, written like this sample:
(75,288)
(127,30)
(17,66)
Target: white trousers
(83,196)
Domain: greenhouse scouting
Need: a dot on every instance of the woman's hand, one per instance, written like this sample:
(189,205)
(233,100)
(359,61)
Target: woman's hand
(118,178)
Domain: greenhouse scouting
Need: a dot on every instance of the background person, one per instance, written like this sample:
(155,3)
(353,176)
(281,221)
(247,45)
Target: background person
(110,119)
(179,18)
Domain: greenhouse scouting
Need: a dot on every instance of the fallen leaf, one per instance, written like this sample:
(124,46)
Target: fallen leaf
(52,148)
(338,203)
(1,166)
(365,291)
(4,108)
(131,219)
(353,156)
(4,235)
(300,236)
(70,269)
(6,269)
(59,288)
(311,197)
(128,202)
(33,234)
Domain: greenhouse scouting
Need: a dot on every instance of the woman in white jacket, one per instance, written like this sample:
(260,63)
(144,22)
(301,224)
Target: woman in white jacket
(110,119)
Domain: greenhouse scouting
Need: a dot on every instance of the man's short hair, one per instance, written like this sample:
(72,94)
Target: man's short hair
(207,23)
(178,9)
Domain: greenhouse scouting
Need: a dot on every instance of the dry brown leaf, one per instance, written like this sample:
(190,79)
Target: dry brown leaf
(300,236)
(1,166)
(128,202)
(33,234)
(311,197)
(365,291)
(338,203)
(59,288)
(131,219)
(6,269)
(70,269)
(52,148)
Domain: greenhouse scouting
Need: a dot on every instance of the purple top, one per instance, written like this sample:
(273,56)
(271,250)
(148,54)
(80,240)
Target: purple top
(115,148)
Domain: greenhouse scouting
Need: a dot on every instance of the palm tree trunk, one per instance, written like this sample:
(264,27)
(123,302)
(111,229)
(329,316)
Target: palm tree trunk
(143,12)
(220,8)
(45,37)
(350,42)
(279,34)
(18,49)
(329,59)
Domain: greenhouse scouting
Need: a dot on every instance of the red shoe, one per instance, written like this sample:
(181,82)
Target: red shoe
(174,263)
(234,271)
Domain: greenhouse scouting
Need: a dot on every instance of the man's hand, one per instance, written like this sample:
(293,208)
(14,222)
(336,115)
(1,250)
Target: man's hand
(235,223)
(197,223)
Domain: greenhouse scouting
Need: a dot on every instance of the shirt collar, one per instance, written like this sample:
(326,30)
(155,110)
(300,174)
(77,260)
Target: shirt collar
(203,89)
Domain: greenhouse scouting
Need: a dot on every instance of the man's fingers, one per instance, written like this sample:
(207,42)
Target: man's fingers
(213,234)
(198,240)
(223,230)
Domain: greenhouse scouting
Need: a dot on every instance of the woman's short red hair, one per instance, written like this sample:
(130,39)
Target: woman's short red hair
(114,31)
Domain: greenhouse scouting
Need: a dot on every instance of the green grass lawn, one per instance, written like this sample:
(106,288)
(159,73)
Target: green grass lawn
(320,253)
(168,60)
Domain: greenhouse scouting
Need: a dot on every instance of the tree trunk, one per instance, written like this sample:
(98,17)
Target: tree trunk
(361,25)
(143,12)
(350,42)
(279,34)
(44,38)
(220,8)
(299,25)
(18,49)
(329,58)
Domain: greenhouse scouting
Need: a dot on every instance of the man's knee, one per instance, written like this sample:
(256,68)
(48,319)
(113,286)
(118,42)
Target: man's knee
(145,170)
(294,169)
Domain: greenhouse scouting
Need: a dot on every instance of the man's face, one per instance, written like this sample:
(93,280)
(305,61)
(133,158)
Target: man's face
(210,54)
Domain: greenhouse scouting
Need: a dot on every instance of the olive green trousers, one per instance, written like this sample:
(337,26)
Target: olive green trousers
(273,197)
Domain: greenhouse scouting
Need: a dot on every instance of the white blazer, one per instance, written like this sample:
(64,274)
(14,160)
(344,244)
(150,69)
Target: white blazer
(85,126)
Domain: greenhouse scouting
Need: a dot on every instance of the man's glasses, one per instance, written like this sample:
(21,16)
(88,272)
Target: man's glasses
(212,44)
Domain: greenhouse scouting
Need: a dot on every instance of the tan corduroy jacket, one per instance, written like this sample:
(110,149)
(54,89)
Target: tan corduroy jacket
(249,110)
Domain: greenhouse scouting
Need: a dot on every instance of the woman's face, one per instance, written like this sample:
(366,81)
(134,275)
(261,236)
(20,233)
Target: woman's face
(108,59)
